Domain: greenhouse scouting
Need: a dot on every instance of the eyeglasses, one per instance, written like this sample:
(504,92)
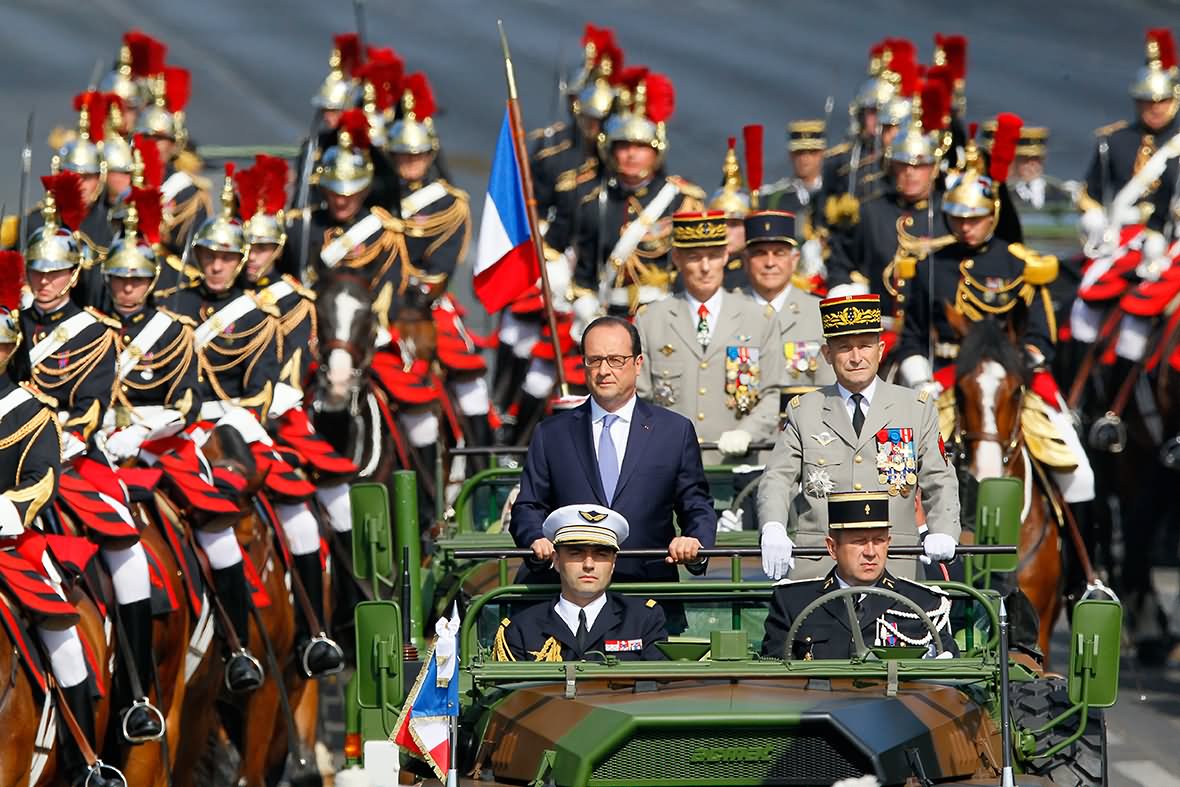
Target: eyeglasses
(613,361)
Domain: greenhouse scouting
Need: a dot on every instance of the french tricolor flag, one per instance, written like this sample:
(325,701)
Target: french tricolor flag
(424,727)
(506,259)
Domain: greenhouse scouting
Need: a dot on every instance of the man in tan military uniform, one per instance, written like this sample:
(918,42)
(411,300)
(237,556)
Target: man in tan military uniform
(861,434)
(714,354)
(771,256)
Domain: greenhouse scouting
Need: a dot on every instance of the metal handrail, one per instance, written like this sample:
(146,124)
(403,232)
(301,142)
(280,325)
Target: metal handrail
(497,554)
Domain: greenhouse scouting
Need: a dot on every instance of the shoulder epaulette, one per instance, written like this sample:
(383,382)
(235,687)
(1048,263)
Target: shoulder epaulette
(1110,128)
(836,150)
(592,195)
(686,187)
(923,395)
(795,400)
(39,395)
(566,181)
(268,308)
(454,190)
(553,150)
(1039,269)
(388,220)
(651,602)
(109,322)
(306,292)
(183,319)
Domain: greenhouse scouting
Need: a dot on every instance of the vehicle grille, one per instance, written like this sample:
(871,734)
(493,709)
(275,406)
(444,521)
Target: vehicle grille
(798,756)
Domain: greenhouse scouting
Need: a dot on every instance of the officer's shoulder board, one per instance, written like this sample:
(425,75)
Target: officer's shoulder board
(1039,269)
(928,588)
(39,395)
(923,395)
(1110,128)
(305,292)
(109,322)
(180,318)
(782,184)
(836,150)
(795,400)
(651,602)
(687,188)
(553,150)
(264,305)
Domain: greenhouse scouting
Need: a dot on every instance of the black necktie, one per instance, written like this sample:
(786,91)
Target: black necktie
(858,415)
(583,633)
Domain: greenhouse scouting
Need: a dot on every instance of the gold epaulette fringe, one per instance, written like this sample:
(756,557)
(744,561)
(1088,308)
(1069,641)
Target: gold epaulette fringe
(550,651)
(500,649)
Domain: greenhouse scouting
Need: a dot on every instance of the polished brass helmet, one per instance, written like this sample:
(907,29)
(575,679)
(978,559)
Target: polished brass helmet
(638,118)
(120,82)
(378,120)
(116,153)
(81,154)
(731,198)
(262,228)
(155,120)
(969,192)
(131,256)
(345,169)
(414,132)
(918,142)
(895,112)
(1157,79)
(597,95)
(338,91)
(223,232)
(52,247)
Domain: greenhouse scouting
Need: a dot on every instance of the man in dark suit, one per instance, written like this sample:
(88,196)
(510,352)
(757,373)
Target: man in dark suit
(584,618)
(623,453)
(858,540)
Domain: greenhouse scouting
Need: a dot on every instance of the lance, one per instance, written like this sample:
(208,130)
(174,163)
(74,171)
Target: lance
(26,173)
(522,161)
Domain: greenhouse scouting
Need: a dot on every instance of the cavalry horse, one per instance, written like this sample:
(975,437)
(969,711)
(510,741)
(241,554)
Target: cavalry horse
(981,419)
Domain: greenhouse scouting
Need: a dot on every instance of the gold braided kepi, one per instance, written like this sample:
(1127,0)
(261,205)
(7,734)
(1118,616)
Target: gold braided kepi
(851,314)
(693,230)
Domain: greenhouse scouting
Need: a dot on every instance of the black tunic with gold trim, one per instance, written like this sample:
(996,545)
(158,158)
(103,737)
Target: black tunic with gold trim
(188,203)
(241,360)
(1129,147)
(30,453)
(437,218)
(842,191)
(79,374)
(626,627)
(165,373)
(298,329)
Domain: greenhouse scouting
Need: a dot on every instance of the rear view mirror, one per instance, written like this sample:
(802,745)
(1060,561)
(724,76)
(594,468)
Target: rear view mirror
(379,680)
(372,546)
(997,521)
(1095,641)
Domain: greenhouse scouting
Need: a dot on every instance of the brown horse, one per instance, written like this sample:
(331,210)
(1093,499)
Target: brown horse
(987,441)
(19,710)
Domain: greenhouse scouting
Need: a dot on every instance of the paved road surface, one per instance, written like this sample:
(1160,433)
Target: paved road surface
(255,65)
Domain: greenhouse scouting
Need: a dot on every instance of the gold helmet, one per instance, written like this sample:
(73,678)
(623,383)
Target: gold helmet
(646,101)
(262,194)
(596,95)
(382,78)
(346,168)
(116,149)
(922,140)
(54,245)
(119,80)
(133,254)
(12,280)
(414,132)
(1157,80)
(223,232)
(595,40)
(887,60)
(82,154)
(972,192)
(731,198)
(339,90)
(165,117)
(145,59)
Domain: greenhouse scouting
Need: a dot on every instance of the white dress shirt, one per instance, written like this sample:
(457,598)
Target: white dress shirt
(777,302)
(568,611)
(867,393)
(714,307)
(619,430)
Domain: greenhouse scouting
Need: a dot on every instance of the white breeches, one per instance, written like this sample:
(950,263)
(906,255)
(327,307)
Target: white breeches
(1077,485)
(129,573)
(337,502)
(472,396)
(221,547)
(300,526)
(65,654)
(421,428)
(520,334)
(541,378)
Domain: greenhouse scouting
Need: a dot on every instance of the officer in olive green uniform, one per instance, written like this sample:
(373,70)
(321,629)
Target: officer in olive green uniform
(861,434)
(714,355)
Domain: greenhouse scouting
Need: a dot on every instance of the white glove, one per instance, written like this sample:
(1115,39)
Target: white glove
(1092,227)
(71,446)
(729,521)
(776,550)
(284,398)
(914,371)
(247,425)
(159,418)
(811,259)
(11,524)
(735,442)
(126,442)
(938,546)
(586,310)
(932,387)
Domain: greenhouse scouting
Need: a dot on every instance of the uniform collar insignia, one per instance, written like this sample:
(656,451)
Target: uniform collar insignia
(823,438)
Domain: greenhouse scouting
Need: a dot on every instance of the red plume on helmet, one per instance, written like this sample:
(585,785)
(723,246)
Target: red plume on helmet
(249,185)
(349,47)
(66,188)
(661,98)
(147,54)
(907,73)
(954,49)
(357,125)
(901,50)
(944,76)
(273,182)
(177,88)
(419,88)
(385,74)
(12,279)
(96,109)
(592,34)
(630,77)
(151,213)
(1004,143)
(1162,37)
(153,166)
(936,105)
(752,137)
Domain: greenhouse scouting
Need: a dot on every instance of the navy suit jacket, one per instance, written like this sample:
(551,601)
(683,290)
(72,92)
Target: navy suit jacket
(662,475)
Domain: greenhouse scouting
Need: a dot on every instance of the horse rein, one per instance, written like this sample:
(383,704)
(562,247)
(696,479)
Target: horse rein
(1011,443)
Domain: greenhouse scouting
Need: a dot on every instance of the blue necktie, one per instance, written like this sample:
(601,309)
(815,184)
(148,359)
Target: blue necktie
(608,458)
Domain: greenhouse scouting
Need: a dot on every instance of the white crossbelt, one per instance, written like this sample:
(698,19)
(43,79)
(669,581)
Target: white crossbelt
(279,290)
(638,228)
(227,315)
(69,328)
(12,400)
(141,344)
(422,198)
(359,233)
(176,183)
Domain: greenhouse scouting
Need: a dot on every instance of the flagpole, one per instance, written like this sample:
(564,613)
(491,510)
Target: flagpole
(526,177)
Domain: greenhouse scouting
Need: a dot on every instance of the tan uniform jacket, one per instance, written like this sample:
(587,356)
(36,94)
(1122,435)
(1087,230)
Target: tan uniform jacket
(801,332)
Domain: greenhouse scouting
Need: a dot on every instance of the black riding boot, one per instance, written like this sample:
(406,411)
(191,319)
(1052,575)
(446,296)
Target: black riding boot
(527,415)
(344,588)
(142,721)
(243,673)
(481,436)
(504,383)
(429,455)
(72,764)
(318,654)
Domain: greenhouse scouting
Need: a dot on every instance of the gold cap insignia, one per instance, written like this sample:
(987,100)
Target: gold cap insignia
(592,516)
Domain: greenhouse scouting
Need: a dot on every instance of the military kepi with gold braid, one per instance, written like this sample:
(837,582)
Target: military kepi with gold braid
(586,524)
(853,510)
(694,230)
(851,314)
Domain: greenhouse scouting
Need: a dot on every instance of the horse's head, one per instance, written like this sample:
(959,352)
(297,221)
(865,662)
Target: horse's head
(347,333)
(990,379)
(414,314)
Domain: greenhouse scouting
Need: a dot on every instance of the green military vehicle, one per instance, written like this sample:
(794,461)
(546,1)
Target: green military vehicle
(715,712)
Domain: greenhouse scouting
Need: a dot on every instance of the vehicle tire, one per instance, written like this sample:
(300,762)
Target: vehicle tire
(1081,764)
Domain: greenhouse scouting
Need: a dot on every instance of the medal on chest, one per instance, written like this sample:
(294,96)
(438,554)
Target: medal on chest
(741,378)
(896,460)
(802,357)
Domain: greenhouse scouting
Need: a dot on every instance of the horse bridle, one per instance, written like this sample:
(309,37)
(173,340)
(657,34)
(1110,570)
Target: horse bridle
(1011,443)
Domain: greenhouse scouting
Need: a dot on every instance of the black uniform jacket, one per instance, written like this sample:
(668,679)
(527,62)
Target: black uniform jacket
(30,465)
(626,627)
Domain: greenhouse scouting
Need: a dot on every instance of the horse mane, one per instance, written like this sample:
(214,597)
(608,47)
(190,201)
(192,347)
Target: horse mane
(987,340)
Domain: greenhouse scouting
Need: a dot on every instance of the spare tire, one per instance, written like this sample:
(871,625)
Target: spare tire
(1081,764)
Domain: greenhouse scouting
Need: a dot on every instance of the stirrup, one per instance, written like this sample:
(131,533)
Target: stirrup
(102,770)
(242,653)
(1109,433)
(1170,453)
(144,703)
(321,637)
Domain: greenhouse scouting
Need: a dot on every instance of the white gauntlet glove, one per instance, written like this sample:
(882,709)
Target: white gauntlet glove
(729,521)
(71,446)
(284,398)
(735,442)
(776,551)
(125,443)
(939,547)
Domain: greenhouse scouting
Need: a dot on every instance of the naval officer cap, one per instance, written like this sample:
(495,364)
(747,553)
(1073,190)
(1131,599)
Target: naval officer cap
(586,524)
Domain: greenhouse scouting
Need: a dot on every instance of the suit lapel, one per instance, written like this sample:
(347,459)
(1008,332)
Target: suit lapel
(638,437)
(583,437)
(834,609)
(681,323)
(557,628)
(836,417)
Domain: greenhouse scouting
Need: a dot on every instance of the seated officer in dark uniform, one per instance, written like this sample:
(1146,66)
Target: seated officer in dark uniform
(858,540)
(584,618)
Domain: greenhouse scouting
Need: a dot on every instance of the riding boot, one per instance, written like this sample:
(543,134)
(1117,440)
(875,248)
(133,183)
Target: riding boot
(530,412)
(243,673)
(318,654)
(142,721)
(72,764)
(344,588)
(481,436)
(429,455)
(502,382)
